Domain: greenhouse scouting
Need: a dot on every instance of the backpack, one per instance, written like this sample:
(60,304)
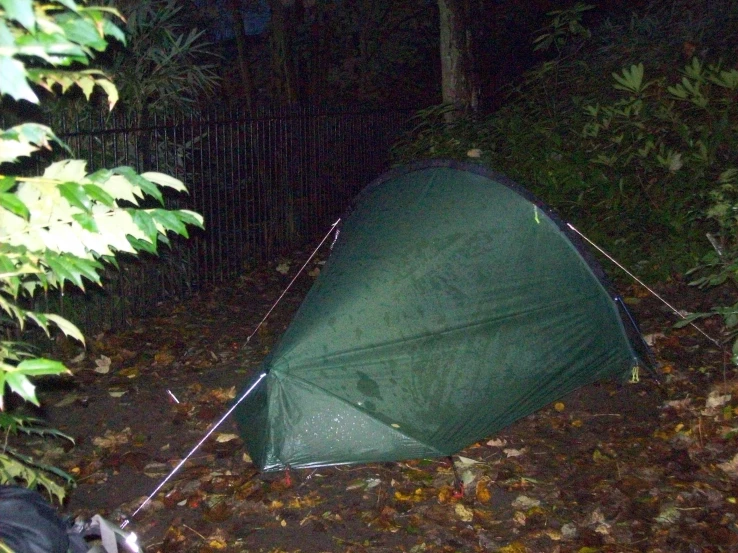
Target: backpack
(29,524)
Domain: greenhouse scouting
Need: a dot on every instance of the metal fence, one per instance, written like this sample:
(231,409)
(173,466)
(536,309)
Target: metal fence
(264,184)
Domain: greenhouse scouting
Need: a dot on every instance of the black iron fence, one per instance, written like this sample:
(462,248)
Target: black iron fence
(264,184)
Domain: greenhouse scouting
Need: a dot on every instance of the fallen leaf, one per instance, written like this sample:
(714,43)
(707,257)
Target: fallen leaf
(67,400)
(524,502)
(465,462)
(130,372)
(464,513)
(668,515)
(102,365)
(482,492)
(164,357)
(678,404)
(514,452)
(156,470)
(714,403)
(559,406)
(224,438)
(499,442)
(221,394)
(417,495)
(519,518)
(515,547)
(446,494)
(730,467)
(283,268)
(112,439)
(650,339)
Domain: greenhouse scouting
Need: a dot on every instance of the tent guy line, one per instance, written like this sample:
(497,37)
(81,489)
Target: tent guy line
(327,234)
(639,281)
(193,450)
(244,395)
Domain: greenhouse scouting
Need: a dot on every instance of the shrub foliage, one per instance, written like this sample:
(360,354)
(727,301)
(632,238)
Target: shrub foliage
(60,228)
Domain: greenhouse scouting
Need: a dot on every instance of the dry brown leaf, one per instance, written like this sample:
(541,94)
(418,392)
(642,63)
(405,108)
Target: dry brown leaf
(730,467)
(482,491)
(463,512)
(164,357)
(224,438)
(112,439)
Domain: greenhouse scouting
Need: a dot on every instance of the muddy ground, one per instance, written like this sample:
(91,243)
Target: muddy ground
(614,467)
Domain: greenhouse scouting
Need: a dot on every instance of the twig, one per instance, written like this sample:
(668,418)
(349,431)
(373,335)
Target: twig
(195,532)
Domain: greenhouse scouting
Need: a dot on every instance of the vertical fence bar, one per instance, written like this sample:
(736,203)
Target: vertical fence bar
(263,181)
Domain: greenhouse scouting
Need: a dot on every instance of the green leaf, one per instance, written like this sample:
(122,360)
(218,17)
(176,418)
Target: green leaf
(76,195)
(88,268)
(13,80)
(81,30)
(68,328)
(169,220)
(86,221)
(12,203)
(631,79)
(165,180)
(144,184)
(190,218)
(111,29)
(98,194)
(143,245)
(20,11)
(62,268)
(21,385)
(110,89)
(40,366)
(145,222)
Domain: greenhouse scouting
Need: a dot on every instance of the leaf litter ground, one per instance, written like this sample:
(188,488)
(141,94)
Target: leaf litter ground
(614,467)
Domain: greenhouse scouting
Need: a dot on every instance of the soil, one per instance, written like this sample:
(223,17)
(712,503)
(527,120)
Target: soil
(613,467)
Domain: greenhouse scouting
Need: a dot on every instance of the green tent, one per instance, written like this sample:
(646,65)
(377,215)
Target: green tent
(452,304)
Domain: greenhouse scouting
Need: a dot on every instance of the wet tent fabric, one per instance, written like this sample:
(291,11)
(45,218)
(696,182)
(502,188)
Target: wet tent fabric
(452,304)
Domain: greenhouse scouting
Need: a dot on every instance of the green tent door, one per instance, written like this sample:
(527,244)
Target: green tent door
(452,304)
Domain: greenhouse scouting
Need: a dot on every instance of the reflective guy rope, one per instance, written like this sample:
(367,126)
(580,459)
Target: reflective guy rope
(194,449)
(333,226)
(243,396)
(639,281)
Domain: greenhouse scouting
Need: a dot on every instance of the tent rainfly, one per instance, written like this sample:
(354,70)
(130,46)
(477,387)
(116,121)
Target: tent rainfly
(452,304)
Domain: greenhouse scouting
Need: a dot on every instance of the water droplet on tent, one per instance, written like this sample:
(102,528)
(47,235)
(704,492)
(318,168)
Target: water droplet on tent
(368,386)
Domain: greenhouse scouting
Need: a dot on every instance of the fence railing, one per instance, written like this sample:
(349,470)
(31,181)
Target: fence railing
(264,184)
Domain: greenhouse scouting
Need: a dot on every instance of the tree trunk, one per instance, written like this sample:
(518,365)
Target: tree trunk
(283,66)
(458,81)
(243,61)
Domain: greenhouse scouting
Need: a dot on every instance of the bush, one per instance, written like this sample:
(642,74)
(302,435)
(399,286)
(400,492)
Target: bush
(636,164)
(60,228)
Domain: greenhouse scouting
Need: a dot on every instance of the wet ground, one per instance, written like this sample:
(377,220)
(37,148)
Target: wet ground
(614,467)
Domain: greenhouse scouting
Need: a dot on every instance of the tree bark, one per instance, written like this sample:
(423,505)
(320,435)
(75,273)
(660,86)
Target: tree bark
(283,67)
(458,80)
(243,61)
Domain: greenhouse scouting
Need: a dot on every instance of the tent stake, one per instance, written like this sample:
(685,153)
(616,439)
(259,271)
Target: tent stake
(194,449)
(639,281)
